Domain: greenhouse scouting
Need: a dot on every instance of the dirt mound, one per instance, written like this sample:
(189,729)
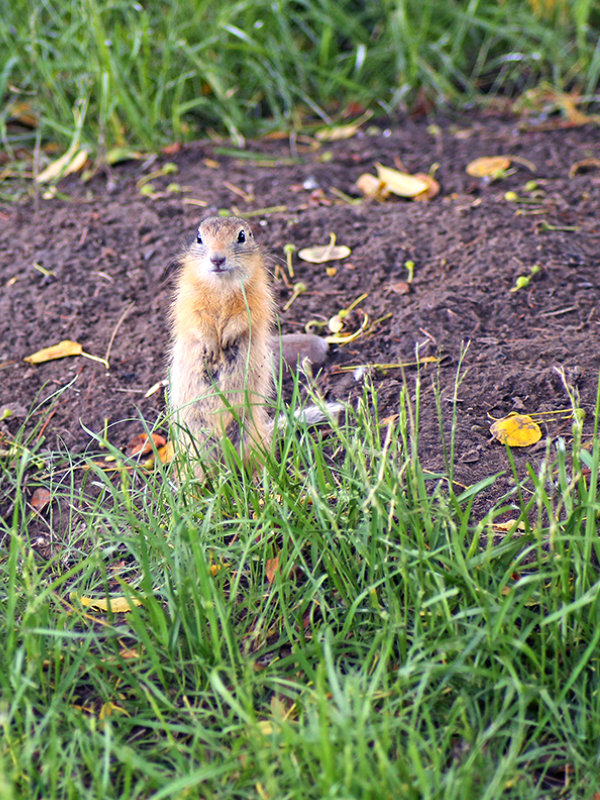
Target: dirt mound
(90,264)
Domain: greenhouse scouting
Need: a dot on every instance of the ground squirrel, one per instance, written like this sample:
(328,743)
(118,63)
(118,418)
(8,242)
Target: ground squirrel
(222,315)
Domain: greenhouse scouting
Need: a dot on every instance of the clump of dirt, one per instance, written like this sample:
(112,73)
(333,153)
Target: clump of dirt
(91,264)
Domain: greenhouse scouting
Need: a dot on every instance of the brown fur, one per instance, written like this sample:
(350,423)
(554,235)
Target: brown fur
(222,316)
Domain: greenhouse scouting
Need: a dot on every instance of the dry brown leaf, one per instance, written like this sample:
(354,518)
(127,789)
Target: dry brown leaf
(172,149)
(432,190)
(401,183)
(516,430)
(60,350)
(401,287)
(23,112)
(488,167)
(40,499)
(271,567)
(142,444)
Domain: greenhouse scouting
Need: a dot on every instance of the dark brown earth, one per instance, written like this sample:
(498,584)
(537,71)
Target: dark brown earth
(104,248)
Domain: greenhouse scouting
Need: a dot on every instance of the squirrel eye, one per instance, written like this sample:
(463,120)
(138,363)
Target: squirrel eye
(241,236)
(198,238)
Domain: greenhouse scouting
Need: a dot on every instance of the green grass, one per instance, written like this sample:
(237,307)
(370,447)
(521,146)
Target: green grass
(144,74)
(401,650)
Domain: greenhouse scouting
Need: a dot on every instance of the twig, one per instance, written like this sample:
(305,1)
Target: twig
(120,321)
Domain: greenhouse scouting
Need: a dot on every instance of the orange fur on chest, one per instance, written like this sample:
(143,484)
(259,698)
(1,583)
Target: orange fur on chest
(203,310)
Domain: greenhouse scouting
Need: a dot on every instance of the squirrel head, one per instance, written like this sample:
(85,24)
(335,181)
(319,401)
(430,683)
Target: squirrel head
(224,250)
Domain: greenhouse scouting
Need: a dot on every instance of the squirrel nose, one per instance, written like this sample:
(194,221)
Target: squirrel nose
(217,260)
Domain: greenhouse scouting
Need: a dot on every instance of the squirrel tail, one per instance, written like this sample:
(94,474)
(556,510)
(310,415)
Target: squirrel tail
(313,415)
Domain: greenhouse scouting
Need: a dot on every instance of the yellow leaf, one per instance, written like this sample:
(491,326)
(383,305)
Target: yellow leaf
(401,183)
(509,525)
(67,163)
(516,430)
(108,709)
(488,166)
(265,727)
(60,350)
(372,187)
(118,605)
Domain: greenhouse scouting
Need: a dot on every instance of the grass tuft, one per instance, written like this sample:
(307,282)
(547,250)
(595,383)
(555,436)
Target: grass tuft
(153,73)
(345,626)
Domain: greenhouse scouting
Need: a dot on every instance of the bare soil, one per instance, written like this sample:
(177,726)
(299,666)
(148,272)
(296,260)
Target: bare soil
(91,264)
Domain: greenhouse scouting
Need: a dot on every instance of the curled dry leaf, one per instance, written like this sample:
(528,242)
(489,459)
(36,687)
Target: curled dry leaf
(432,190)
(372,187)
(516,430)
(40,499)
(271,567)
(401,183)
(401,287)
(60,350)
(141,445)
(488,167)
(65,165)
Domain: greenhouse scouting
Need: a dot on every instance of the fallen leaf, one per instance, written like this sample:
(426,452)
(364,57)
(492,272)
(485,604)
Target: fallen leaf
(401,183)
(516,430)
(60,350)
(128,653)
(23,112)
(172,149)
(488,167)
(142,444)
(432,190)
(271,567)
(108,709)
(510,524)
(322,253)
(118,605)
(339,132)
(40,499)
(166,453)
(65,165)
(372,187)
(265,727)
(401,287)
